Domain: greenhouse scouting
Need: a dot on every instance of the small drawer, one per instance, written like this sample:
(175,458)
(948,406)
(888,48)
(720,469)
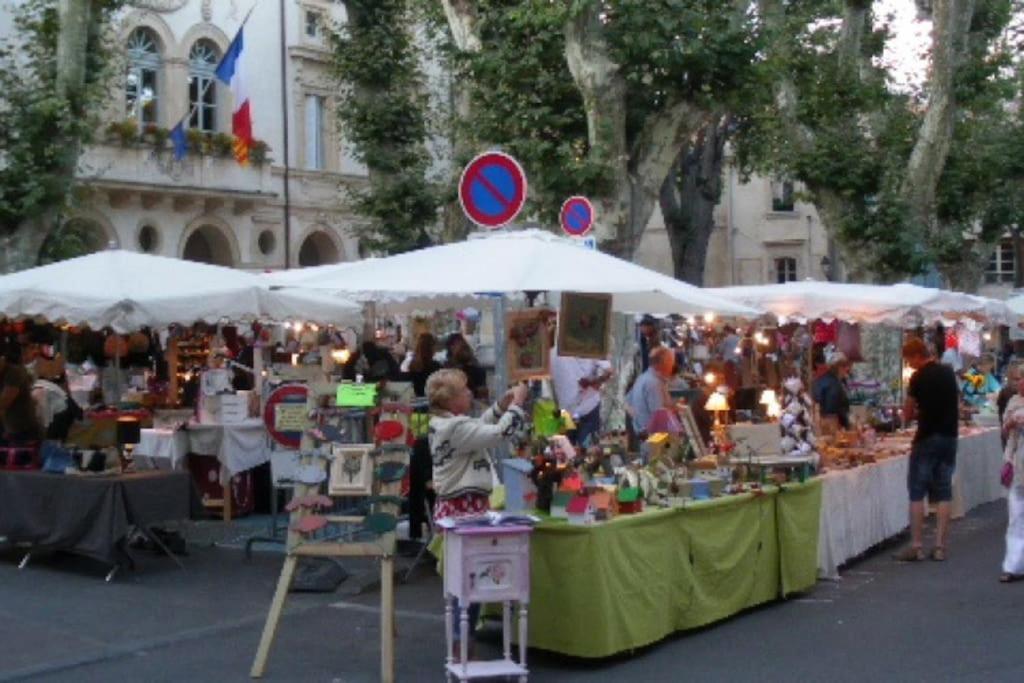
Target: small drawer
(495,543)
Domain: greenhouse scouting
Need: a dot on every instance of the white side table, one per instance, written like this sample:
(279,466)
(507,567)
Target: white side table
(486,564)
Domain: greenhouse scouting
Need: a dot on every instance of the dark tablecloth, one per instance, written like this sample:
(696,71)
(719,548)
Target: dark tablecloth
(90,515)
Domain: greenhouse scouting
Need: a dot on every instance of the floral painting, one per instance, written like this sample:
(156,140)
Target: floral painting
(527,346)
(351,470)
(584,322)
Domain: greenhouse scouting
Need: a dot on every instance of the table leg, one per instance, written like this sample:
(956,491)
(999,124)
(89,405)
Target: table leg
(24,561)
(464,639)
(276,606)
(506,629)
(113,571)
(449,624)
(160,544)
(227,499)
(522,638)
(387,618)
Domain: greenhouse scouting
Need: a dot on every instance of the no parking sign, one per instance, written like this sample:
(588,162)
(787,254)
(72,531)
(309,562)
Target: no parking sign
(492,190)
(577,216)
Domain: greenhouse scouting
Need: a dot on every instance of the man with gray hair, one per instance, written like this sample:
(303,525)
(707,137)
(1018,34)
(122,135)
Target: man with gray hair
(650,391)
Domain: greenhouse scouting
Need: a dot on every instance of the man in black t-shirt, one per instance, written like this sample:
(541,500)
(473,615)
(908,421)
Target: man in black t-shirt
(933,400)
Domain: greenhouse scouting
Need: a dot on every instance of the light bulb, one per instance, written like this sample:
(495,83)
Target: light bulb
(709,318)
(709,378)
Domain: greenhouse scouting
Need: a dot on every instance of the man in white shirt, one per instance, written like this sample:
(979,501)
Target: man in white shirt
(577,383)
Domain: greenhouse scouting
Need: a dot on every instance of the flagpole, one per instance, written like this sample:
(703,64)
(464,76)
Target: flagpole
(287,156)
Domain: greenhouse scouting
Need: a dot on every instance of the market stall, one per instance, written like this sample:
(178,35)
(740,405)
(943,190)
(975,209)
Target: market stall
(112,293)
(866,505)
(864,499)
(90,516)
(634,580)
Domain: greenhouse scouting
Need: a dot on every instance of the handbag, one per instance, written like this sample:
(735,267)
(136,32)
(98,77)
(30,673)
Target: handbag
(1006,474)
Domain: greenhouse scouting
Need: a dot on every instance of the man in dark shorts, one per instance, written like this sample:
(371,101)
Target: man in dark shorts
(932,399)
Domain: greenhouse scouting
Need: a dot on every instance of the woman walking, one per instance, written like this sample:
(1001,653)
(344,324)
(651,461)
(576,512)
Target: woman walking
(1013,476)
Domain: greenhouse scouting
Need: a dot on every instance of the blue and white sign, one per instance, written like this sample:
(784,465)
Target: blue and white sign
(577,216)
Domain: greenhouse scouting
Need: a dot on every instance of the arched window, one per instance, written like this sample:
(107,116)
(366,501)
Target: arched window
(317,250)
(142,77)
(202,85)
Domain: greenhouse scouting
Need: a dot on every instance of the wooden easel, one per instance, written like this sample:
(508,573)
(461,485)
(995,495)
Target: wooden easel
(385,501)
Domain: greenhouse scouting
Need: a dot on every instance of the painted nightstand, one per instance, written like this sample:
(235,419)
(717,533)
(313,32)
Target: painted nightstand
(486,564)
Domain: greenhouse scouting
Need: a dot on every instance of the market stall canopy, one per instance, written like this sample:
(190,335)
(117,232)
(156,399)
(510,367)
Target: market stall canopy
(899,304)
(126,291)
(1015,306)
(454,275)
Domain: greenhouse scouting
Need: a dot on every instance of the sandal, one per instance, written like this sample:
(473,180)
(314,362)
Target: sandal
(909,554)
(939,554)
(1006,577)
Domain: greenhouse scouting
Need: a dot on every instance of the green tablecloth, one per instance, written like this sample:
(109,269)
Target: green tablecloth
(606,588)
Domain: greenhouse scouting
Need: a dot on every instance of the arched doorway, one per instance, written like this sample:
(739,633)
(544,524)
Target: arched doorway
(318,249)
(76,237)
(207,244)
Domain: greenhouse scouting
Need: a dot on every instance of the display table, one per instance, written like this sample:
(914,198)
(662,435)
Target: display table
(864,506)
(615,586)
(238,447)
(99,427)
(90,515)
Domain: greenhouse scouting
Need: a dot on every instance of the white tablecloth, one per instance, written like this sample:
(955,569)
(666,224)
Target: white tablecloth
(238,447)
(867,505)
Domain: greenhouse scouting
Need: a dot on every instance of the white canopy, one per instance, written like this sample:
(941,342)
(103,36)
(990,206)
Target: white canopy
(891,304)
(126,290)
(453,275)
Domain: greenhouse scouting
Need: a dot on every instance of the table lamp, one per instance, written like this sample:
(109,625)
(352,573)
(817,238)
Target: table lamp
(129,433)
(717,404)
(771,403)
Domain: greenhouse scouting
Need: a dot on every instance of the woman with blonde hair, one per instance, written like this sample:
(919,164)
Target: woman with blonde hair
(458,447)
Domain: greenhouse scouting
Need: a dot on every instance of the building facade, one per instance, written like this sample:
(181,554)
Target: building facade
(763,234)
(207,207)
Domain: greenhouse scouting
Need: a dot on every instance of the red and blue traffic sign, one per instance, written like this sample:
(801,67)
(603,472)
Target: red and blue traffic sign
(577,216)
(493,189)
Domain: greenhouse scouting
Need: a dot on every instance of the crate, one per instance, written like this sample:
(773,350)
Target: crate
(23,457)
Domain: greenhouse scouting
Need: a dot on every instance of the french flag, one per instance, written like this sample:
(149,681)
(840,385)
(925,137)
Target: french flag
(231,71)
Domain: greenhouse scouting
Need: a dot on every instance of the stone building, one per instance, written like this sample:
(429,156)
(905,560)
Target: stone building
(207,207)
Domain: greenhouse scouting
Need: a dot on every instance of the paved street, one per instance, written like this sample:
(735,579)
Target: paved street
(60,622)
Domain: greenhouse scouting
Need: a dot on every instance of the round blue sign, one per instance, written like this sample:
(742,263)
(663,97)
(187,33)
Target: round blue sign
(493,189)
(577,216)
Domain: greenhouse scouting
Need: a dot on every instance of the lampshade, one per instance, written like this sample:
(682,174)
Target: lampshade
(716,402)
(774,409)
(129,431)
(768,397)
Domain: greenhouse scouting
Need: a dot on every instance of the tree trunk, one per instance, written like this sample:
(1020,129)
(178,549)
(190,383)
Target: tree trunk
(463,22)
(20,249)
(637,169)
(1018,259)
(951,23)
(688,198)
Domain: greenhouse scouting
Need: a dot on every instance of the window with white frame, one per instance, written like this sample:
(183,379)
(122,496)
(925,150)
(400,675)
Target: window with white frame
(785,269)
(315,138)
(782,195)
(202,85)
(142,77)
(1002,265)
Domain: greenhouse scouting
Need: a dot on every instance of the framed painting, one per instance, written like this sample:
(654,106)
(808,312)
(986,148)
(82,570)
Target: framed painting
(351,470)
(584,324)
(692,432)
(527,349)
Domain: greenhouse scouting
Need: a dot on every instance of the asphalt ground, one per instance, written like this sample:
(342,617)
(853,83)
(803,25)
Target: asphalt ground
(884,621)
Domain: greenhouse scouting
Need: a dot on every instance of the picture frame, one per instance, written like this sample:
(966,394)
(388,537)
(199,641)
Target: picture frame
(351,470)
(527,351)
(584,325)
(692,431)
